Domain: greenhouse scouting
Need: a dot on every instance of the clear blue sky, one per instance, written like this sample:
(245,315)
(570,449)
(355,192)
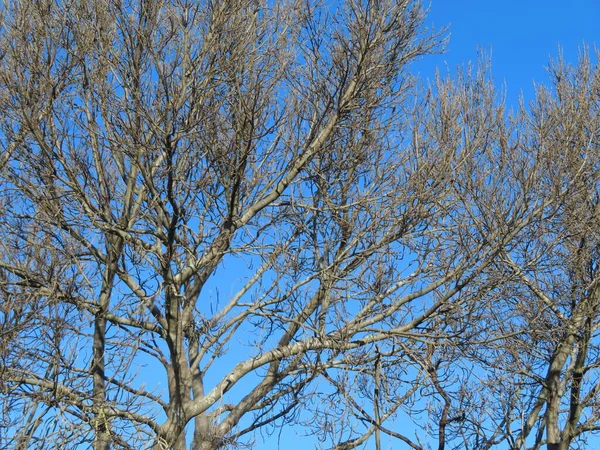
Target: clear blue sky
(521,35)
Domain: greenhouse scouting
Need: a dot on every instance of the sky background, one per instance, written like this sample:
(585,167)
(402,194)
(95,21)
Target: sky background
(521,36)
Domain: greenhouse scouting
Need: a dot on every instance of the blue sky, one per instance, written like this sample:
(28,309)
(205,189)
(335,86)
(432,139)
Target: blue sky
(521,35)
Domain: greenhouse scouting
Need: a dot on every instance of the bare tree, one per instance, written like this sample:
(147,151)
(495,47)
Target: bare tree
(219,218)
(542,361)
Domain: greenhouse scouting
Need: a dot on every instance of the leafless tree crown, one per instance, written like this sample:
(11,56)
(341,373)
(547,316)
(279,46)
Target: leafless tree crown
(221,220)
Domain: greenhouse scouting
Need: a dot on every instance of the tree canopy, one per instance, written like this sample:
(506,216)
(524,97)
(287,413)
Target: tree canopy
(221,219)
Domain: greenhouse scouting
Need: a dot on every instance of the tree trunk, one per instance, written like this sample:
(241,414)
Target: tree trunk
(101,424)
(102,438)
(563,445)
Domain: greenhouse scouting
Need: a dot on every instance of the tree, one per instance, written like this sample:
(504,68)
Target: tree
(222,218)
(547,363)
